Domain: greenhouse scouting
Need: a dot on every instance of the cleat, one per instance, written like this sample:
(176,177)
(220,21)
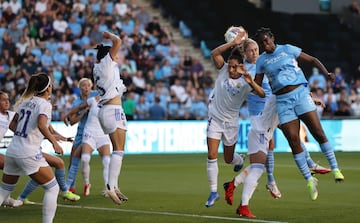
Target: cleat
(70,196)
(214,196)
(72,190)
(11,202)
(274,190)
(316,168)
(87,189)
(229,188)
(113,196)
(312,188)
(338,176)
(120,195)
(238,167)
(27,201)
(244,211)
(104,193)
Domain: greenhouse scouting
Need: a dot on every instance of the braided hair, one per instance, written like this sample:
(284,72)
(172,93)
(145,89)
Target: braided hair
(262,31)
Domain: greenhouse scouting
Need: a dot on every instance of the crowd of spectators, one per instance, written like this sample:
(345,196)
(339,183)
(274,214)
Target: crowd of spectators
(58,37)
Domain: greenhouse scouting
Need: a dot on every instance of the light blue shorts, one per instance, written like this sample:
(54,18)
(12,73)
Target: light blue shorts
(294,103)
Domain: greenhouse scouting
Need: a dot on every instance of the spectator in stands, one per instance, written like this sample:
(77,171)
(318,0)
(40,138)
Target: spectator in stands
(139,82)
(317,80)
(129,105)
(355,107)
(330,102)
(40,8)
(60,25)
(121,8)
(339,80)
(141,109)
(143,16)
(354,8)
(156,111)
(343,109)
(198,108)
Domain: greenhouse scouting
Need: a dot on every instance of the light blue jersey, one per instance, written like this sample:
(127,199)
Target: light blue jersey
(281,67)
(82,122)
(256,103)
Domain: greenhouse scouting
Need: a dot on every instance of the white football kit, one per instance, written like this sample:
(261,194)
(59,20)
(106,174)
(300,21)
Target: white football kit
(224,106)
(263,127)
(93,133)
(109,85)
(23,156)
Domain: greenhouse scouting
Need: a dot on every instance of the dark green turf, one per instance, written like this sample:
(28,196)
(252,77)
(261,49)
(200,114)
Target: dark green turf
(160,186)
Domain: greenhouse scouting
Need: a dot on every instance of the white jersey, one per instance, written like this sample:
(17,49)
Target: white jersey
(107,79)
(27,136)
(5,120)
(267,121)
(92,125)
(228,96)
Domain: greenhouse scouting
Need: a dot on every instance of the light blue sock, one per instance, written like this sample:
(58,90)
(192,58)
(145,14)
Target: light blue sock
(75,161)
(300,161)
(328,151)
(29,188)
(270,162)
(60,178)
(309,160)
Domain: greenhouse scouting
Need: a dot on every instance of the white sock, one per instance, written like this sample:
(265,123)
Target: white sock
(85,164)
(5,191)
(237,160)
(115,169)
(212,173)
(240,178)
(251,182)
(106,164)
(50,200)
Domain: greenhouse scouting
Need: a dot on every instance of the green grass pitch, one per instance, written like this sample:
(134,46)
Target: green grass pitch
(173,188)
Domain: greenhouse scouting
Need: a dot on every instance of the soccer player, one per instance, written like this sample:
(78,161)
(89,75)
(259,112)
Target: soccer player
(293,100)
(93,138)
(111,115)
(23,156)
(232,87)
(80,117)
(270,121)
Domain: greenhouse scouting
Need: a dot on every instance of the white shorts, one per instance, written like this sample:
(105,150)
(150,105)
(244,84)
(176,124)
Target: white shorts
(95,142)
(24,166)
(257,142)
(112,117)
(225,131)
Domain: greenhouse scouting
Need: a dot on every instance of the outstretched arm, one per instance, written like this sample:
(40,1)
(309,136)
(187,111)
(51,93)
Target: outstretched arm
(116,43)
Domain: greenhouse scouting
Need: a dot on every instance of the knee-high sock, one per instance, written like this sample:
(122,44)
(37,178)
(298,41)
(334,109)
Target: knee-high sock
(240,178)
(115,169)
(5,191)
(106,164)
(50,200)
(310,162)
(60,178)
(251,182)
(328,151)
(85,163)
(237,160)
(72,172)
(300,161)
(270,163)
(29,188)
(212,173)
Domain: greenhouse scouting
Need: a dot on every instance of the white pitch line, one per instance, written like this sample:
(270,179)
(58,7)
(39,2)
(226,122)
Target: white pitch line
(166,213)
